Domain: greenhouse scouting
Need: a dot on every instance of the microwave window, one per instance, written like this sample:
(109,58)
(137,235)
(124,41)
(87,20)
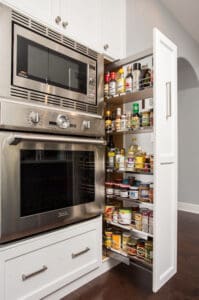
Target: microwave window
(45,65)
(53,180)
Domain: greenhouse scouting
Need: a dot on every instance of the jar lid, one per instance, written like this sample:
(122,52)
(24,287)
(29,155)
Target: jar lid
(133,187)
(136,66)
(126,234)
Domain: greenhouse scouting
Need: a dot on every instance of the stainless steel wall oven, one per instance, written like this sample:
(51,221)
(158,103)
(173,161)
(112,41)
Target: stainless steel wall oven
(47,180)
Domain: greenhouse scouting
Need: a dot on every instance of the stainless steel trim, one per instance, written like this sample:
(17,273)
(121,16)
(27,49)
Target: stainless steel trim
(74,255)
(168,99)
(129,59)
(25,277)
(15,139)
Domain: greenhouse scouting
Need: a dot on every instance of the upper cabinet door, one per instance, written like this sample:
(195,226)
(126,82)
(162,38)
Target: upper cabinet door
(83,21)
(165,178)
(39,10)
(113,28)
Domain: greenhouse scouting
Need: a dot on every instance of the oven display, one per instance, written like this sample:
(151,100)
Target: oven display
(52,179)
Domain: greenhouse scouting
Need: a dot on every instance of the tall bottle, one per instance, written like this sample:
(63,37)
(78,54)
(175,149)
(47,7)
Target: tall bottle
(129,80)
(120,81)
(110,153)
(118,119)
(108,121)
(135,117)
(136,76)
(106,84)
(112,84)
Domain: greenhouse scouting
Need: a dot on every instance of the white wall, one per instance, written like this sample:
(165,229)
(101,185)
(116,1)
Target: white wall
(142,16)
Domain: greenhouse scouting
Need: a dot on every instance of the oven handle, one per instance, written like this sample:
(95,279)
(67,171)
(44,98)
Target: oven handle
(15,139)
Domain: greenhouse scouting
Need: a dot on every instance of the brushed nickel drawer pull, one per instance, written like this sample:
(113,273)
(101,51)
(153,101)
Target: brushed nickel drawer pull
(25,277)
(168,99)
(74,255)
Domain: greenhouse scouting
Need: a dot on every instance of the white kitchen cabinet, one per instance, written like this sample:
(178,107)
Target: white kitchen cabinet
(40,10)
(98,24)
(113,35)
(38,266)
(161,139)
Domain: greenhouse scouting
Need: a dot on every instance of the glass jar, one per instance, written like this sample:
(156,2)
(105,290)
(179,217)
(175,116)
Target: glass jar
(108,237)
(124,190)
(132,247)
(151,193)
(116,240)
(125,239)
(144,192)
(109,188)
(145,118)
(138,220)
(141,248)
(145,220)
(133,192)
(148,251)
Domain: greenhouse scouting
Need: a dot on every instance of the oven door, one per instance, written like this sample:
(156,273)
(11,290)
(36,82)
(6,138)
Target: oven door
(48,181)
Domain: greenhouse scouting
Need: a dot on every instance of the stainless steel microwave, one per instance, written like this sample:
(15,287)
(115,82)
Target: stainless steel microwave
(39,64)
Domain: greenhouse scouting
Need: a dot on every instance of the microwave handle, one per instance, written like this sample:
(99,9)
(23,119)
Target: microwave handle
(15,139)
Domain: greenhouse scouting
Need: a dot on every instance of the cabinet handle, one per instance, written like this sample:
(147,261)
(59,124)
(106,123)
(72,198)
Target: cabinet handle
(74,255)
(65,24)
(57,19)
(106,46)
(168,99)
(25,277)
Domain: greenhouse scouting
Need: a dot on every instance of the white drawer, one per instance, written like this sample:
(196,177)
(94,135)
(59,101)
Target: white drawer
(64,261)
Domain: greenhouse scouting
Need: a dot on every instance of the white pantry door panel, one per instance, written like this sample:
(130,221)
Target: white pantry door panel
(165,177)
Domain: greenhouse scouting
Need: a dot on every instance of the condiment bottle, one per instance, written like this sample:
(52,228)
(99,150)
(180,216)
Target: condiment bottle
(106,84)
(108,121)
(123,126)
(111,153)
(129,80)
(118,119)
(136,76)
(135,121)
(120,81)
(128,120)
(112,85)
(122,160)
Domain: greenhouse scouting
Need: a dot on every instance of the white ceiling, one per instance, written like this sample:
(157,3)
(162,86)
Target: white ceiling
(187,13)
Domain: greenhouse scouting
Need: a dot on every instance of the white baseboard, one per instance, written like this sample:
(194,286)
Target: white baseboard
(189,207)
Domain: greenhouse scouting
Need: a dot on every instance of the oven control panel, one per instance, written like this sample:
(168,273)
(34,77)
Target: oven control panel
(27,117)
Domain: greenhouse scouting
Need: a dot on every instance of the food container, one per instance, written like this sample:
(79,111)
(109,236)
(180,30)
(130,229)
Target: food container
(144,192)
(124,190)
(108,212)
(109,188)
(139,162)
(141,248)
(108,238)
(116,189)
(151,222)
(133,192)
(126,236)
(145,220)
(145,118)
(125,215)
(135,209)
(132,247)
(138,221)
(148,251)
(151,193)
(115,216)
(116,240)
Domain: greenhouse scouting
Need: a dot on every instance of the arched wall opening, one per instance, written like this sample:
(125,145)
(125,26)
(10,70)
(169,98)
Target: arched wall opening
(188,134)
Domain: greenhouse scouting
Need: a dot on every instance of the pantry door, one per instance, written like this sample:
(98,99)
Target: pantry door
(165,150)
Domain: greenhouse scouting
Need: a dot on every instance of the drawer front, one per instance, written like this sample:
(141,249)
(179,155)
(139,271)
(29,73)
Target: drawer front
(64,261)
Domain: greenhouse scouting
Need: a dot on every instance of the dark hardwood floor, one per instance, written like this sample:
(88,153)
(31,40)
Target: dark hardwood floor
(121,283)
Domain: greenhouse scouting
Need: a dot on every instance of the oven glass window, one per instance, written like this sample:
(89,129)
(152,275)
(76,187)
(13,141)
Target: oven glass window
(47,66)
(52,180)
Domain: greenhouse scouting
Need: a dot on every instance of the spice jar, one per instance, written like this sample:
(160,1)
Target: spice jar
(124,190)
(144,192)
(133,192)
(141,248)
(138,220)
(125,239)
(145,118)
(116,240)
(132,247)
(148,251)
(109,188)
